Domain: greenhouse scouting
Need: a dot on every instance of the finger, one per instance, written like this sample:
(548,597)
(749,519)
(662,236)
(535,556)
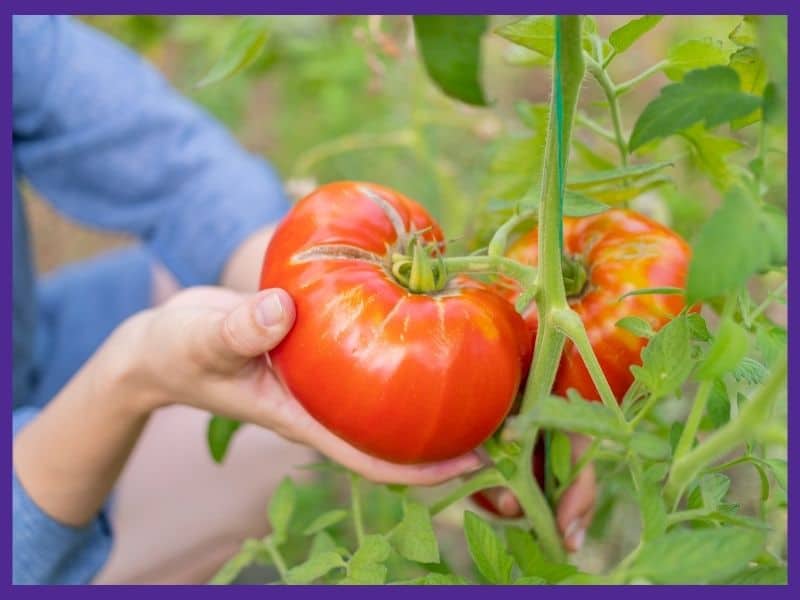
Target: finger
(254,327)
(575,509)
(504,502)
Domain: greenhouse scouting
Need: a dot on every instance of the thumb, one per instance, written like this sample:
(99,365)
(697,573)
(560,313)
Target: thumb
(251,329)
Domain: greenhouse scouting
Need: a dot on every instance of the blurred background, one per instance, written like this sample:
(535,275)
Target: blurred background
(346,97)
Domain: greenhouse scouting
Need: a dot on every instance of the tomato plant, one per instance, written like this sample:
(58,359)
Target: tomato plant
(641,242)
(387,350)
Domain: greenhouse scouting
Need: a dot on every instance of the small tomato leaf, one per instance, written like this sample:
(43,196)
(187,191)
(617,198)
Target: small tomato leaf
(280,510)
(414,538)
(637,326)
(487,550)
(315,567)
(219,434)
(325,520)
(623,37)
(246,46)
(560,456)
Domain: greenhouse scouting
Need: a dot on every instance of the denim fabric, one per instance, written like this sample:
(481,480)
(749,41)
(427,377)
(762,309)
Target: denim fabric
(103,138)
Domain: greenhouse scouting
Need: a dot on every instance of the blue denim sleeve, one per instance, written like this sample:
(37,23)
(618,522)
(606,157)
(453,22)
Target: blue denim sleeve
(46,551)
(104,138)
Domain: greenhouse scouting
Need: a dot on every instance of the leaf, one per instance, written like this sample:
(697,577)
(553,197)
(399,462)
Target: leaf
(675,433)
(281,507)
(687,556)
(711,154)
(772,222)
(560,455)
(578,205)
(532,561)
(752,71)
(529,580)
(718,407)
(235,565)
(653,512)
(438,579)
(711,96)
(744,34)
(246,46)
(773,105)
(315,567)
(692,55)
(649,446)
(538,33)
(726,351)
(486,550)
(414,538)
(759,575)
(629,174)
(637,326)
(698,328)
(366,565)
(771,341)
(623,37)
(577,415)
(666,359)
(451,51)
(750,370)
(779,471)
(325,520)
(709,492)
(219,435)
(730,247)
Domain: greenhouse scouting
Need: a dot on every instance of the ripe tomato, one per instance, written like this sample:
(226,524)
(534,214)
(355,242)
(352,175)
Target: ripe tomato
(622,251)
(407,377)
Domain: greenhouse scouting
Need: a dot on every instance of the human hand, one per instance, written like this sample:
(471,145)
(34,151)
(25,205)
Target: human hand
(206,348)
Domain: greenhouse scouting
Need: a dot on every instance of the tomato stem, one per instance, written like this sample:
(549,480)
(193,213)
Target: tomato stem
(486,478)
(499,241)
(355,502)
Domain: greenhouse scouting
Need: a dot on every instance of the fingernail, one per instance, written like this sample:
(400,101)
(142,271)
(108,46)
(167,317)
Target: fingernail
(575,535)
(270,311)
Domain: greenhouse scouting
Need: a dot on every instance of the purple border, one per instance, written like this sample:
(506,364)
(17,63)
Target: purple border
(790,7)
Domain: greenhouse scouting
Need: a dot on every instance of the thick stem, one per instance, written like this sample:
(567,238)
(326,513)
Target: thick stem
(725,439)
(610,92)
(485,479)
(524,274)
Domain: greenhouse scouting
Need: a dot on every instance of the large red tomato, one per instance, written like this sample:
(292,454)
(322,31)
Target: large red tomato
(621,251)
(407,377)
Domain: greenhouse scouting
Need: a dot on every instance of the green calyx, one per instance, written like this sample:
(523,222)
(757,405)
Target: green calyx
(421,270)
(574,273)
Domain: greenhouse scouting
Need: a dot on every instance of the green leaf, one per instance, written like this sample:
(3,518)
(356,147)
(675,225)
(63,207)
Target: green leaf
(537,33)
(219,435)
(709,492)
(771,341)
(698,328)
(744,34)
(653,512)
(675,433)
(666,359)
(529,580)
(692,55)
(577,415)
(752,71)
(630,174)
(750,370)
(726,352)
(414,538)
(281,507)
(637,326)
(438,579)
(579,205)
(779,471)
(759,575)
(718,407)
(687,556)
(451,51)
(322,542)
(710,95)
(235,565)
(711,154)
(623,37)
(773,104)
(246,46)
(773,226)
(366,566)
(487,550)
(532,561)
(730,247)
(560,455)
(325,520)
(315,567)
(650,446)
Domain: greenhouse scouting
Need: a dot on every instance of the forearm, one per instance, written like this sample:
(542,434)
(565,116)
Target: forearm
(69,457)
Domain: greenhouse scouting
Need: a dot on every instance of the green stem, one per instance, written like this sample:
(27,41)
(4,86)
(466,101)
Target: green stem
(687,515)
(648,405)
(594,126)
(728,437)
(499,242)
(355,500)
(771,297)
(625,86)
(524,274)
(610,92)
(693,420)
(568,322)
(485,479)
(276,557)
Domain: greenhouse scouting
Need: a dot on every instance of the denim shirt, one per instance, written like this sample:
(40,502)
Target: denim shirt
(105,139)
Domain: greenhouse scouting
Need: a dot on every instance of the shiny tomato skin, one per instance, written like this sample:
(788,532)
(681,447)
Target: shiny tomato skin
(409,378)
(622,251)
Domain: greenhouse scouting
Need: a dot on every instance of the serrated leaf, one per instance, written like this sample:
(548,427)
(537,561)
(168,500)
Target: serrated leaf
(713,488)
(759,575)
(450,46)
(623,37)
(560,455)
(726,351)
(325,520)
(694,54)
(414,538)
(637,326)
(219,435)
(666,360)
(730,247)
(711,96)
(750,371)
(314,568)
(366,566)
(579,205)
(246,46)
(718,407)
(698,328)
(281,507)
(486,550)
(579,416)
(711,154)
(532,561)
(744,34)
(697,556)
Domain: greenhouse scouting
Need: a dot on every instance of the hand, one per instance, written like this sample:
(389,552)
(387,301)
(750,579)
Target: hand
(575,507)
(206,348)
